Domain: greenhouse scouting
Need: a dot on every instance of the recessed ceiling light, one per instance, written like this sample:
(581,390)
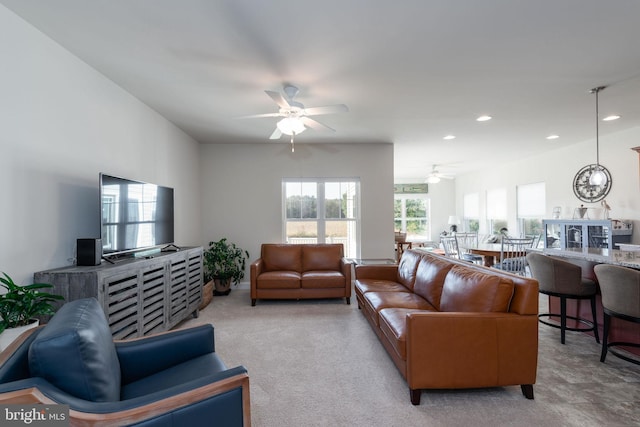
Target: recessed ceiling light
(611,117)
(448,137)
(553,137)
(483,118)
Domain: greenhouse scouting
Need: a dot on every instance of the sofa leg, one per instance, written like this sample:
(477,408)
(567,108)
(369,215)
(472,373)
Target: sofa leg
(253,302)
(348,301)
(527,390)
(415,395)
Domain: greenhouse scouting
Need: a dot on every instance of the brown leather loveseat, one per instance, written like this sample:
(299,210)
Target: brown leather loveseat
(451,324)
(298,271)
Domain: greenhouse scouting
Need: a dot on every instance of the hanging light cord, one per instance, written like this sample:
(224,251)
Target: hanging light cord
(598,177)
(597,130)
(596,91)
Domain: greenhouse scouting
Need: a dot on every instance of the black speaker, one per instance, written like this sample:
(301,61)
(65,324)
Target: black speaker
(89,251)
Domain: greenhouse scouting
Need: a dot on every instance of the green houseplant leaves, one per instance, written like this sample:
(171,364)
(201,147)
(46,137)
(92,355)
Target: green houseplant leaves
(21,304)
(224,260)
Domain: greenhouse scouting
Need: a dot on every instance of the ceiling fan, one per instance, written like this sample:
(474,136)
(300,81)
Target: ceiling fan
(435,176)
(295,116)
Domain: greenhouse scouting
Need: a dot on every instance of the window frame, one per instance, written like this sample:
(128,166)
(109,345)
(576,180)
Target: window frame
(538,190)
(403,197)
(499,219)
(353,222)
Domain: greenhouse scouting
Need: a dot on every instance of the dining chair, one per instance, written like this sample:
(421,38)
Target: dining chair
(620,288)
(450,246)
(467,240)
(513,255)
(536,239)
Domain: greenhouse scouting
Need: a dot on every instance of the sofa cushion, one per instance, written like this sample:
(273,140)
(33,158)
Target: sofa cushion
(407,268)
(321,257)
(75,353)
(322,279)
(430,279)
(466,289)
(279,280)
(376,301)
(377,285)
(282,257)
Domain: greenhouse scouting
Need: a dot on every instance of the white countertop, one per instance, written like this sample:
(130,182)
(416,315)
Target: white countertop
(604,256)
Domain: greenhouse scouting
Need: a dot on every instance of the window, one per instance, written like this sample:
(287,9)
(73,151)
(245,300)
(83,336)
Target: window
(497,209)
(531,208)
(411,216)
(471,211)
(323,211)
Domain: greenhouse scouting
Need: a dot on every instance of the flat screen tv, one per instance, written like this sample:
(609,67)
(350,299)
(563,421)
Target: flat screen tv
(135,215)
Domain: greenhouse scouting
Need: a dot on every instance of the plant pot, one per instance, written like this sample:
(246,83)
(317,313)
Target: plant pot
(207,294)
(9,335)
(222,286)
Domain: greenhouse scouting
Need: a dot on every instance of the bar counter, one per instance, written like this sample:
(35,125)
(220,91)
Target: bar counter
(629,259)
(587,258)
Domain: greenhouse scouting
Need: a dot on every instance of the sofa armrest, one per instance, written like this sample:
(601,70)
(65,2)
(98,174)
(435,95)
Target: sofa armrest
(455,349)
(254,271)
(142,357)
(380,272)
(256,266)
(345,267)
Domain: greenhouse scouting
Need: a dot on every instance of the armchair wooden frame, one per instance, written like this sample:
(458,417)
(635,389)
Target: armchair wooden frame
(33,395)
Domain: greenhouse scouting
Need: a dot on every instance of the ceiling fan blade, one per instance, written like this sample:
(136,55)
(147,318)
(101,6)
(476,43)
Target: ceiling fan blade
(328,109)
(276,134)
(254,116)
(278,98)
(314,124)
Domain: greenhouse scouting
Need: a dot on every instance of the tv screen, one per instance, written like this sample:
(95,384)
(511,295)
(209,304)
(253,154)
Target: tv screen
(135,215)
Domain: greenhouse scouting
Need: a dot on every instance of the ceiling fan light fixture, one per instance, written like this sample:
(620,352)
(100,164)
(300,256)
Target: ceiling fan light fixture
(291,125)
(433,179)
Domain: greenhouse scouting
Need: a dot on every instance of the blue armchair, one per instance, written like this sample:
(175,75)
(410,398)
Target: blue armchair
(170,379)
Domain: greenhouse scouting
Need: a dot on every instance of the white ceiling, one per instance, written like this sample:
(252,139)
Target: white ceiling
(411,71)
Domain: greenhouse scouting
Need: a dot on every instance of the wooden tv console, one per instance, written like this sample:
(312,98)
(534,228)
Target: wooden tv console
(140,296)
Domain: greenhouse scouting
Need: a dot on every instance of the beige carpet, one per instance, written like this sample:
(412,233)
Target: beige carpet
(318,363)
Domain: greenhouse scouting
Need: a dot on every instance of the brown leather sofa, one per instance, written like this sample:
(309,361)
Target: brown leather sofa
(299,271)
(450,324)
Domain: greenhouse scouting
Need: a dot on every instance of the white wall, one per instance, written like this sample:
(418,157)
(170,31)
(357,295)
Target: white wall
(62,124)
(557,169)
(242,189)
(443,204)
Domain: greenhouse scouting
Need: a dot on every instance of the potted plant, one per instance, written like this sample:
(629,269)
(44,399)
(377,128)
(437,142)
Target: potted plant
(20,307)
(224,262)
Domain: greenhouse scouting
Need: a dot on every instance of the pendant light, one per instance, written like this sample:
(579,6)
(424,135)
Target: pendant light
(598,177)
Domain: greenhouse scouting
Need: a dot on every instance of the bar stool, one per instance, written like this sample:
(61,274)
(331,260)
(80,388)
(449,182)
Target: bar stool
(620,288)
(564,280)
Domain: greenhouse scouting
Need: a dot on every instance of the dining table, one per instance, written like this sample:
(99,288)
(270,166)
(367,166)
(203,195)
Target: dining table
(488,251)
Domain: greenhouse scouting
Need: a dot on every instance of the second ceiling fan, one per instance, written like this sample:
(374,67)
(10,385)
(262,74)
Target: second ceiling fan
(435,176)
